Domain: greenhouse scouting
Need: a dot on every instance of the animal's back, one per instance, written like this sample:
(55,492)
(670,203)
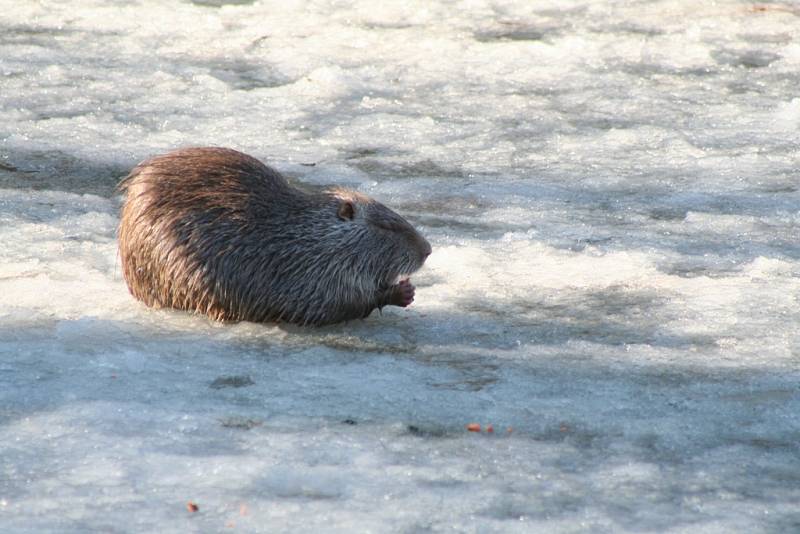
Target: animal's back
(197,179)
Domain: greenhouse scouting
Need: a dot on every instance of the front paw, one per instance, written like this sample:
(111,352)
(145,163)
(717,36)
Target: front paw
(403,293)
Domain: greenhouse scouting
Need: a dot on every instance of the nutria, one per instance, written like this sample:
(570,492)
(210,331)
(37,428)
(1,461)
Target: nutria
(215,231)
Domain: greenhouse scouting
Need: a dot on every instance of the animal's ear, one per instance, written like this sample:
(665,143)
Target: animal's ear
(346,210)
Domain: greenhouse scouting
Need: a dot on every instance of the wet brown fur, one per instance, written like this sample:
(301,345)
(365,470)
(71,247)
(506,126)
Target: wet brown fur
(215,231)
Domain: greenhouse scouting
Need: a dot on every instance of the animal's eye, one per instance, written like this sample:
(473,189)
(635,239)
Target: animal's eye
(346,211)
(388,225)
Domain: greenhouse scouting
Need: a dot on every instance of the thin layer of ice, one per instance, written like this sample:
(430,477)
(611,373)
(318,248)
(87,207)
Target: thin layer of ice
(611,192)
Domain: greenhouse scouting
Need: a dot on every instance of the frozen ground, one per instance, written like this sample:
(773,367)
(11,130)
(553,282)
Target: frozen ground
(612,193)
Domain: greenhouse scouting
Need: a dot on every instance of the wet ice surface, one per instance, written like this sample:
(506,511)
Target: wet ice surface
(612,195)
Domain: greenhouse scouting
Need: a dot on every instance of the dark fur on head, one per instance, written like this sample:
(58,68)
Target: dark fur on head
(217,232)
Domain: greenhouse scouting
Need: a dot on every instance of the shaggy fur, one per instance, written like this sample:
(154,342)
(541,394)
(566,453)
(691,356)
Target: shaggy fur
(217,232)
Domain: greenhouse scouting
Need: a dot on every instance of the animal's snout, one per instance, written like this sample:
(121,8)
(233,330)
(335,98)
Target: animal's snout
(425,248)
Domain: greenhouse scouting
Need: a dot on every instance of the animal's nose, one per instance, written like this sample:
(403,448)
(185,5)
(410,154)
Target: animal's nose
(426,248)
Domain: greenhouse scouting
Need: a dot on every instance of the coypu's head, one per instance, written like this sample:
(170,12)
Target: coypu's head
(395,248)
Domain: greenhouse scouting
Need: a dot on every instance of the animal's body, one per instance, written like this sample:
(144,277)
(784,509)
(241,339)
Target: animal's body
(215,231)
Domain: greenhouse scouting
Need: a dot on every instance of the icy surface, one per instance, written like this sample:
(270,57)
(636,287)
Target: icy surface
(612,193)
